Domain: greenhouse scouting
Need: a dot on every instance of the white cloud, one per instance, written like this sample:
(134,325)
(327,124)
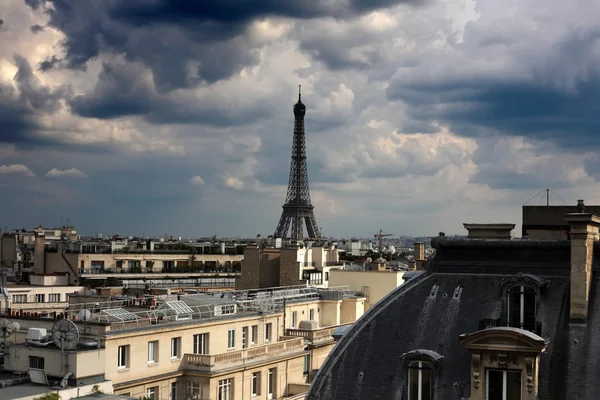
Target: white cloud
(17,169)
(197,180)
(71,173)
(233,183)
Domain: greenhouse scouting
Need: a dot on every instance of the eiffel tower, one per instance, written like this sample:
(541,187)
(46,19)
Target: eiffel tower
(298,208)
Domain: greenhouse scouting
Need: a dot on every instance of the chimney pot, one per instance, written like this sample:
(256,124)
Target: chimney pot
(580,206)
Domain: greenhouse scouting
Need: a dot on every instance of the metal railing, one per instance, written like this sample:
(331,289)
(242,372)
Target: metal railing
(535,327)
(233,359)
(315,336)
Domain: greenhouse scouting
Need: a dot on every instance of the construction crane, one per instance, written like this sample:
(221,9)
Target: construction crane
(379,236)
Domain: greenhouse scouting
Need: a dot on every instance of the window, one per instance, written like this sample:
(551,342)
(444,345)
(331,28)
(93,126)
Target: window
(36,362)
(255,383)
(521,307)
(152,393)
(224,389)
(201,343)
(153,352)
(311,314)
(294,318)
(419,381)
(176,347)
(306,369)
(503,385)
(253,334)
(244,337)
(228,309)
(173,390)
(19,298)
(231,339)
(195,391)
(268,331)
(326,276)
(39,298)
(123,357)
(271,379)
(54,297)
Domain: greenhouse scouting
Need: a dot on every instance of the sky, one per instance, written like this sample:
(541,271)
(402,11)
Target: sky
(175,117)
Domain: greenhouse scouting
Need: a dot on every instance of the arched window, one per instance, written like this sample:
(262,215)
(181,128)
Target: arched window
(521,307)
(420,380)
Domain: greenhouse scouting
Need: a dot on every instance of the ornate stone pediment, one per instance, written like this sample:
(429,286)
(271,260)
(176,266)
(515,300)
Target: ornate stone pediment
(504,339)
(525,279)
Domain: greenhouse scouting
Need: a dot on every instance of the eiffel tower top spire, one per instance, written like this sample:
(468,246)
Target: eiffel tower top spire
(299,93)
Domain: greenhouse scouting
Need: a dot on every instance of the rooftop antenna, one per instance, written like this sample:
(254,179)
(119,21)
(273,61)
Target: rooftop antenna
(299,93)
(66,336)
(7,329)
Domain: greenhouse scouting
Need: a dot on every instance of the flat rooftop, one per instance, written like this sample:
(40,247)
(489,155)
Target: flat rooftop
(141,311)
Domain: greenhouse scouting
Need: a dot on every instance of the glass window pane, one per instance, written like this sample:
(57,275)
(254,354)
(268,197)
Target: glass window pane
(413,384)
(529,309)
(513,385)
(495,384)
(426,383)
(514,308)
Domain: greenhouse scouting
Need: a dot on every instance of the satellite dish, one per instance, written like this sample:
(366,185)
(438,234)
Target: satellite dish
(84,314)
(16,327)
(6,328)
(65,334)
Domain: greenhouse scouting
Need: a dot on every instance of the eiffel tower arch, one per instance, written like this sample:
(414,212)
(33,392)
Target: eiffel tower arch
(298,209)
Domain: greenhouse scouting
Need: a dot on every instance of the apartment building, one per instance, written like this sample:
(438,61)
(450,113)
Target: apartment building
(287,266)
(488,319)
(227,346)
(98,261)
(43,294)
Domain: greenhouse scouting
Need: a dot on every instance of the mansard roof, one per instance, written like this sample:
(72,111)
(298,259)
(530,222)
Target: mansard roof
(367,363)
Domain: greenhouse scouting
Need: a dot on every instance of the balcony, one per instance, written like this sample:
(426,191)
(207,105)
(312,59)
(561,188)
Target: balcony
(241,358)
(535,327)
(315,336)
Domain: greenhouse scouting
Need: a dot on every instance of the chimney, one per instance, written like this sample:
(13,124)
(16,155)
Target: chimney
(419,251)
(40,254)
(584,231)
(499,231)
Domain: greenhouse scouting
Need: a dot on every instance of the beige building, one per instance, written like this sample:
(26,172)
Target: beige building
(44,294)
(287,266)
(374,284)
(240,345)
(80,260)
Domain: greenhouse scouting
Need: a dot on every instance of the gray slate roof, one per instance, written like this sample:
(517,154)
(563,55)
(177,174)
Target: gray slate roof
(366,363)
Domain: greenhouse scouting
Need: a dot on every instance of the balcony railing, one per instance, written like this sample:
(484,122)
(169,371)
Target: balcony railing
(219,362)
(315,336)
(535,327)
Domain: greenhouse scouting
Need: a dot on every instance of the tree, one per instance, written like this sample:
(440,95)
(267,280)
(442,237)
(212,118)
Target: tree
(48,396)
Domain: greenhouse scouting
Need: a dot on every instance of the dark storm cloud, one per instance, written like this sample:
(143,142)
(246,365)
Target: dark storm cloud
(20,110)
(558,99)
(125,89)
(36,28)
(1,22)
(48,63)
(241,11)
(185,42)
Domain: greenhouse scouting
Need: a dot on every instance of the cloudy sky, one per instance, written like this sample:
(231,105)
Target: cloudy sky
(156,116)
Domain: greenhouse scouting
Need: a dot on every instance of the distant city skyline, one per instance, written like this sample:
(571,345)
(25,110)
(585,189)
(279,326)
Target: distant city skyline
(176,116)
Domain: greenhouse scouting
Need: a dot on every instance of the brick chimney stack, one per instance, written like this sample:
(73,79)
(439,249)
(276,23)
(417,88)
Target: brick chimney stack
(584,231)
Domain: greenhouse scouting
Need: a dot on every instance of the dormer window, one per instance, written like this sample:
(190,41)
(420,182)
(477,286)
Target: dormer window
(420,376)
(521,307)
(521,298)
(422,369)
